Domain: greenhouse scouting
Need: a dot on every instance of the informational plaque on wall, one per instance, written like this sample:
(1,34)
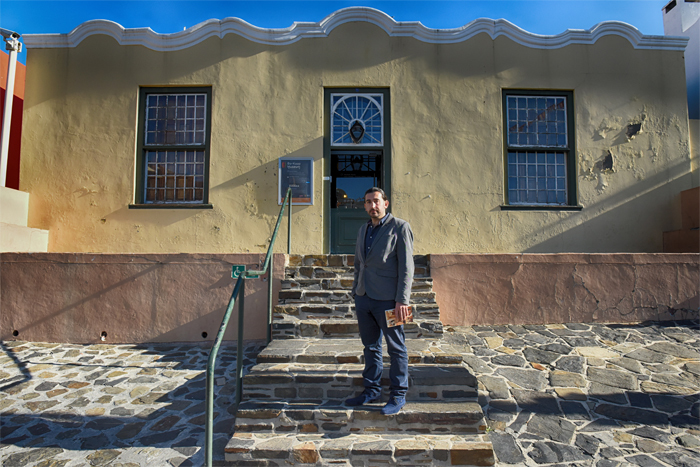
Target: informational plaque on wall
(298,174)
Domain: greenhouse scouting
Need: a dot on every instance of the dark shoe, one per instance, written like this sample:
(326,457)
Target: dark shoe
(394,405)
(362,399)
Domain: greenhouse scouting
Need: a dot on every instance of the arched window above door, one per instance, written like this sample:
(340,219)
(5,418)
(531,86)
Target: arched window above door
(357,120)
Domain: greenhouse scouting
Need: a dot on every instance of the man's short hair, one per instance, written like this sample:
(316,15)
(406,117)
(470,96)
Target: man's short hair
(374,189)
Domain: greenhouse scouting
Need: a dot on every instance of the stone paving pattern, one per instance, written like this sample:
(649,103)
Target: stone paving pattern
(589,394)
(117,405)
(555,395)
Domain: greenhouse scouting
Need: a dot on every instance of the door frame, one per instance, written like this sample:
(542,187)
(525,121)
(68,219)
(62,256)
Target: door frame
(385,173)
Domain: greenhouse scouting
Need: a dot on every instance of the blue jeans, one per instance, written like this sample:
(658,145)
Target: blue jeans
(372,323)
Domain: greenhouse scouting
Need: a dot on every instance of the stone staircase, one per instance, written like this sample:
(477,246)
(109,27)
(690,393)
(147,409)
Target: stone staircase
(292,412)
(315,300)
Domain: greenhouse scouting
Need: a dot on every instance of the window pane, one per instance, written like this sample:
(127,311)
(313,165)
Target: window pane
(536,178)
(165,116)
(184,169)
(543,118)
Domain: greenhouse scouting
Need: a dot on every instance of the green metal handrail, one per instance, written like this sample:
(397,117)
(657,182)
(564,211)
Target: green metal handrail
(241,274)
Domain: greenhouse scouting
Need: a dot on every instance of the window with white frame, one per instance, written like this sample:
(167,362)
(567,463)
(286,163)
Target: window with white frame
(357,119)
(539,148)
(173,146)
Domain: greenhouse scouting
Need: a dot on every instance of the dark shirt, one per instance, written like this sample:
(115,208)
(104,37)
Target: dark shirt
(372,232)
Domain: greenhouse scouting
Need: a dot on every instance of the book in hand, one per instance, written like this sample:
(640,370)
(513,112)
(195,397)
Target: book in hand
(391,320)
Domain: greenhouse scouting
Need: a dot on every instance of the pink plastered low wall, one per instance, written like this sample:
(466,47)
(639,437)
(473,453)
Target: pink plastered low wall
(133,298)
(480,289)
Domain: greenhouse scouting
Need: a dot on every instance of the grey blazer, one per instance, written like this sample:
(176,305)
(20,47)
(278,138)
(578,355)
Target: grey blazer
(386,271)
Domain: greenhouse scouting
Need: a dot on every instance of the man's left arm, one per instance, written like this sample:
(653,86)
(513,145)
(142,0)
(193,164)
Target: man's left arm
(404,254)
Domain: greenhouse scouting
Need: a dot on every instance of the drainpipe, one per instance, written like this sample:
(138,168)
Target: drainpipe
(12,44)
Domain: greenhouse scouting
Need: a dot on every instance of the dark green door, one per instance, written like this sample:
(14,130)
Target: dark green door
(352,173)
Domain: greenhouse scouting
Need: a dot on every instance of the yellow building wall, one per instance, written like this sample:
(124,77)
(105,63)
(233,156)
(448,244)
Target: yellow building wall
(447,170)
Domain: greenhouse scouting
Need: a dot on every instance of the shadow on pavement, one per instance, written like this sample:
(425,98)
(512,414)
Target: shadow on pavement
(139,409)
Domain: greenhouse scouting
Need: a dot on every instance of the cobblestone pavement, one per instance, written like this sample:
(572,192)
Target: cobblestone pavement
(573,394)
(117,405)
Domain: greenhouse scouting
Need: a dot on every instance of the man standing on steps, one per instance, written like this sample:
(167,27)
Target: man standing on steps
(383,279)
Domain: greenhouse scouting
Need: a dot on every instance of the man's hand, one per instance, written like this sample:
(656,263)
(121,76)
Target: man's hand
(402,311)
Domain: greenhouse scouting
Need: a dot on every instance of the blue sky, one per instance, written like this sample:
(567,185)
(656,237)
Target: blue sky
(537,16)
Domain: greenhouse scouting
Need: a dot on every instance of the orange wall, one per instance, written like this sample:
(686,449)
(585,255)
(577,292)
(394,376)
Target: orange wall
(12,180)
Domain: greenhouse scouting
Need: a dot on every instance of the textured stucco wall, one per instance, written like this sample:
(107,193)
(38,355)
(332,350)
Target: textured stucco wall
(447,140)
(566,288)
(64,297)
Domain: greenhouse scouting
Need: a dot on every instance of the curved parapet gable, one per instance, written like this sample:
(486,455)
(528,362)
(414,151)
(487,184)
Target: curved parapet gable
(219,28)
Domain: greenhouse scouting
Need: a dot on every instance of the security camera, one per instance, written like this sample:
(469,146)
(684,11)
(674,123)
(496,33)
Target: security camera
(7,34)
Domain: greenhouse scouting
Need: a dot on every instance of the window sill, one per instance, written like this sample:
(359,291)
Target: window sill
(171,206)
(536,207)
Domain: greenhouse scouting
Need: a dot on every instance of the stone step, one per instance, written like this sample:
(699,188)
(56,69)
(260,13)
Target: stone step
(340,260)
(329,272)
(344,310)
(337,382)
(428,417)
(420,284)
(342,282)
(291,327)
(341,351)
(358,450)
(291,296)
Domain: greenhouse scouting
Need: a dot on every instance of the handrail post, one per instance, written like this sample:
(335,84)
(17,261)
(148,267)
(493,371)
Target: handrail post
(239,354)
(242,274)
(269,299)
(211,365)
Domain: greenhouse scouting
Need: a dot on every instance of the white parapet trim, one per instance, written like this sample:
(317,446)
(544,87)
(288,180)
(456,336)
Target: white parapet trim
(219,28)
